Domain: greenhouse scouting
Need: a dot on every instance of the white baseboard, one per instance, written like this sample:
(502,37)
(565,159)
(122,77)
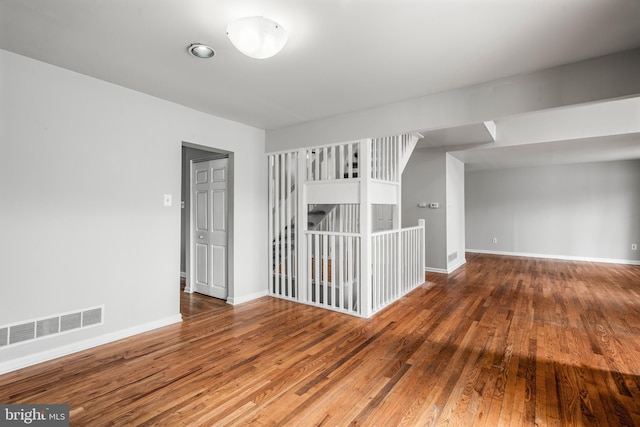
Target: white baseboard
(456,266)
(448,270)
(436,270)
(247,298)
(33,359)
(559,257)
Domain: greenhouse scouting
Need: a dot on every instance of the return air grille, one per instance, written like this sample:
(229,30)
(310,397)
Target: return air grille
(26,331)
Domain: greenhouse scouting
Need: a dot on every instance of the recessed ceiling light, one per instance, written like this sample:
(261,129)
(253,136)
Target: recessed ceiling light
(200,50)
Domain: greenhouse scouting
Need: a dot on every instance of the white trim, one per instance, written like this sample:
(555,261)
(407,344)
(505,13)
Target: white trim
(247,298)
(559,257)
(32,359)
(448,270)
(457,265)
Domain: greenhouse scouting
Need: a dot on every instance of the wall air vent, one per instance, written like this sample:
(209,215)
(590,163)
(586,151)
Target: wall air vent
(4,336)
(25,331)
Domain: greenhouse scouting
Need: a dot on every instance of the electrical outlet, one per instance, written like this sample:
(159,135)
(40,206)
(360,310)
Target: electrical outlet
(634,247)
(495,240)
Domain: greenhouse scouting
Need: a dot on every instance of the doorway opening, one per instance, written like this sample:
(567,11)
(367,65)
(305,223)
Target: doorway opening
(196,154)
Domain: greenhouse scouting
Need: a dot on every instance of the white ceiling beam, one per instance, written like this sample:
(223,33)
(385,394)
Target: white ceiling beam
(595,80)
(490,126)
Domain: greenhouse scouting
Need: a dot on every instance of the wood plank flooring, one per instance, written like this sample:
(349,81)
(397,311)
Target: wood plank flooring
(501,342)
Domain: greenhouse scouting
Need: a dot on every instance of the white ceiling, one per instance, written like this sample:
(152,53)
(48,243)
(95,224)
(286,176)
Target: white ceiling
(342,55)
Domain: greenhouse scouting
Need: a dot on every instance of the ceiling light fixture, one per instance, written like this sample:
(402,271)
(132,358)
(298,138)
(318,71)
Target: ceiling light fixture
(200,50)
(256,36)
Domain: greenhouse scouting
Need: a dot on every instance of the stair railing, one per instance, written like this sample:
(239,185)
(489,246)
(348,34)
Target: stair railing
(331,162)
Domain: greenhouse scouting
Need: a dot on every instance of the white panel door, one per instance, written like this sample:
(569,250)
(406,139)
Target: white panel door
(383,215)
(209,198)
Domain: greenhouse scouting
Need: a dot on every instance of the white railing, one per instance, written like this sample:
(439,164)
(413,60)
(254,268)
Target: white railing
(343,218)
(283,207)
(333,271)
(340,265)
(385,159)
(397,258)
(339,161)
(389,156)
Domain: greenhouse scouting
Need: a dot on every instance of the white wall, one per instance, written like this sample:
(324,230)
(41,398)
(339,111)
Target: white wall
(455,213)
(84,165)
(424,180)
(586,211)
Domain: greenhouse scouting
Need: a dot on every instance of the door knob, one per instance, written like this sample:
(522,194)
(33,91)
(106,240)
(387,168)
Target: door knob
(200,237)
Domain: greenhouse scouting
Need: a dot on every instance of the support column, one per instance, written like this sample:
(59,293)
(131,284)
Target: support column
(364,173)
(301,228)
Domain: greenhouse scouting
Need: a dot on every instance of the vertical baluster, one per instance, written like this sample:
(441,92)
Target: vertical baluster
(347,219)
(378,158)
(270,230)
(391,152)
(387,157)
(338,273)
(384,158)
(349,272)
(385,268)
(392,145)
(354,258)
(407,260)
(394,156)
(325,268)
(374,273)
(341,162)
(380,272)
(350,161)
(331,167)
(309,262)
(375,283)
(324,170)
(297,228)
(373,158)
(276,224)
(375,256)
(316,261)
(415,268)
(396,262)
(389,267)
(410,259)
(289,171)
(390,259)
(283,224)
(418,257)
(335,271)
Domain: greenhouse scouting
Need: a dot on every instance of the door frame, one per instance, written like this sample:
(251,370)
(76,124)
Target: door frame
(206,153)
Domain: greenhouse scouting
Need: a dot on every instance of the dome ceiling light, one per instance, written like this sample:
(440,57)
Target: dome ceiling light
(257,37)
(200,50)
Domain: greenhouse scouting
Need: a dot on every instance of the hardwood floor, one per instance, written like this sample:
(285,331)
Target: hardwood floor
(502,341)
